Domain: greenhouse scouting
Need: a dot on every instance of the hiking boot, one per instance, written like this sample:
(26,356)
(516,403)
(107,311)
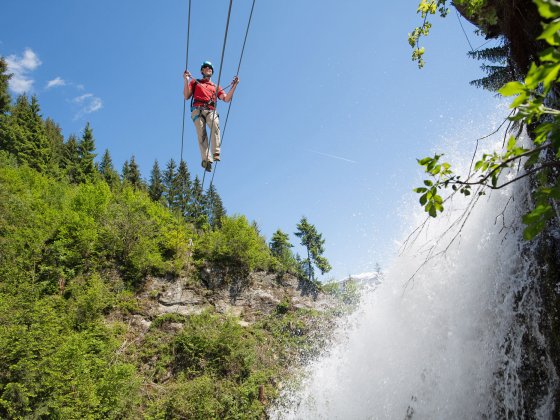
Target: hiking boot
(217,157)
(207,165)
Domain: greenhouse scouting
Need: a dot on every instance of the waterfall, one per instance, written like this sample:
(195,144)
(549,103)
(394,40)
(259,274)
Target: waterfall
(449,342)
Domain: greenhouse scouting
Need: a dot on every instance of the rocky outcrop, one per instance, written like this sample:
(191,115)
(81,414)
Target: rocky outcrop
(248,298)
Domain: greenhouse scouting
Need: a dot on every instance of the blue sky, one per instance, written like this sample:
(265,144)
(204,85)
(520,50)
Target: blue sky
(327,121)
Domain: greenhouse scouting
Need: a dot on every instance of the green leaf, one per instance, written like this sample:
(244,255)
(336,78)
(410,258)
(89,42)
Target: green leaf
(432,211)
(436,170)
(550,32)
(551,76)
(540,211)
(533,230)
(531,161)
(512,88)
(549,9)
(550,55)
(511,143)
(534,76)
(518,101)
(428,183)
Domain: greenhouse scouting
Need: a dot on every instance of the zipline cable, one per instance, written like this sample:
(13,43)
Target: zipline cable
(237,74)
(186,68)
(461,23)
(182,142)
(209,140)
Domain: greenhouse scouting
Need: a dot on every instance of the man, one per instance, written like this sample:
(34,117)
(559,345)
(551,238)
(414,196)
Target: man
(203,110)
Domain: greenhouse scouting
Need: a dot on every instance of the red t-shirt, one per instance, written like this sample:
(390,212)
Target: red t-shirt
(204,91)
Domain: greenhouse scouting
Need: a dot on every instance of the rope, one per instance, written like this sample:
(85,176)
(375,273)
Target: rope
(186,68)
(217,89)
(237,74)
(461,23)
(182,142)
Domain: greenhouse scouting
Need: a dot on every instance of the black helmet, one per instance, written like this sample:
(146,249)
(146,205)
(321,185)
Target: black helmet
(207,64)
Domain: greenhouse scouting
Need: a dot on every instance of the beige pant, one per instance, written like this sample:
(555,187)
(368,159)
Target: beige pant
(201,118)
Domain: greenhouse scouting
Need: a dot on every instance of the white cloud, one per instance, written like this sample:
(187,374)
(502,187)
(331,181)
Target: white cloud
(56,82)
(20,67)
(88,104)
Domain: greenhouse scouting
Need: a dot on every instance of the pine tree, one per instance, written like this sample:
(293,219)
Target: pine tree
(280,247)
(133,175)
(314,243)
(214,207)
(156,187)
(501,72)
(23,134)
(196,214)
(39,153)
(71,160)
(56,142)
(86,149)
(280,243)
(107,170)
(183,186)
(5,98)
(125,171)
(169,181)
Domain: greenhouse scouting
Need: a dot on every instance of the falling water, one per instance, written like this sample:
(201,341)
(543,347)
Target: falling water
(441,337)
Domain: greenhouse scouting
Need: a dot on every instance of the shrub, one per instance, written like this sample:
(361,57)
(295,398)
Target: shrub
(236,243)
(209,343)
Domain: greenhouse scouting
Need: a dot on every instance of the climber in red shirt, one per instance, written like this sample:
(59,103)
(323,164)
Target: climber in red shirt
(203,93)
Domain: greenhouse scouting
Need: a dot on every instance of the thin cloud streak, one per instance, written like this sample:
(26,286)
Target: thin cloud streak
(332,156)
(55,83)
(88,104)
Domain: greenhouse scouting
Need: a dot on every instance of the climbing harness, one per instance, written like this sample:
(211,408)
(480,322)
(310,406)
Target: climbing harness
(200,104)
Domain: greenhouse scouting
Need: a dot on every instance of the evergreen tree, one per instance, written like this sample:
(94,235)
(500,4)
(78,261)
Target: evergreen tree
(56,142)
(314,243)
(214,207)
(280,243)
(280,247)
(38,153)
(125,171)
(71,160)
(169,182)
(107,170)
(23,134)
(196,213)
(501,71)
(133,175)
(5,98)
(156,187)
(183,186)
(86,149)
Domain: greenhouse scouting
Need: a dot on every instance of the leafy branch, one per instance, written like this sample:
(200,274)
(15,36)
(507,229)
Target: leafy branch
(425,8)
(532,106)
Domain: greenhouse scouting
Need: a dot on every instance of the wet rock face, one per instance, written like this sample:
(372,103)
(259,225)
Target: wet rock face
(533,345)
(548,257)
